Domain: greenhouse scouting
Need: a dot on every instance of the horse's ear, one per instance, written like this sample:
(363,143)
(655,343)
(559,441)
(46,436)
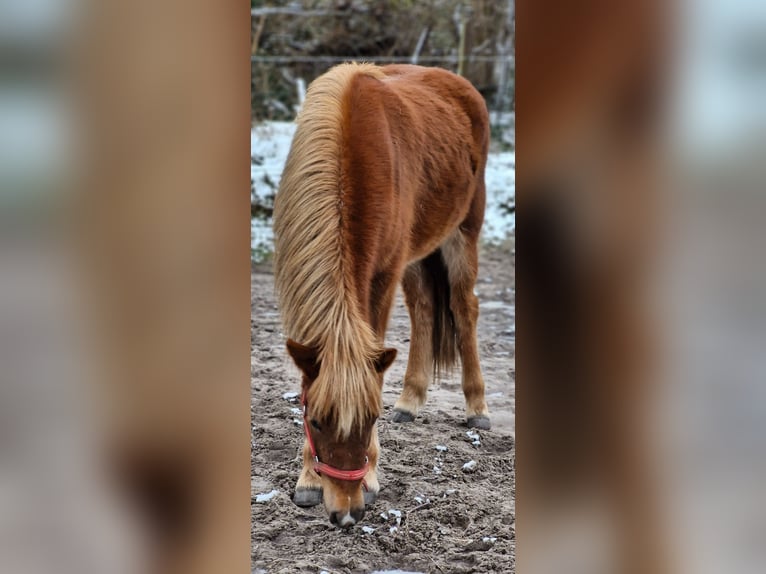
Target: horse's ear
(307,358)
(384,360)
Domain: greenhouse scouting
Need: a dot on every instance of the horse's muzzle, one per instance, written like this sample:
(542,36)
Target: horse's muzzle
(347,519)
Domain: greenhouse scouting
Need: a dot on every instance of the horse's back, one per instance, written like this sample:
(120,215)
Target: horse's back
(429,86)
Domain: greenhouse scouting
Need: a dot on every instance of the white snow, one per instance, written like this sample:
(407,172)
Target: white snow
(470,466)
(441,448)
(490,539)
(290,396)
(475,438)
(368,529)
(265,497)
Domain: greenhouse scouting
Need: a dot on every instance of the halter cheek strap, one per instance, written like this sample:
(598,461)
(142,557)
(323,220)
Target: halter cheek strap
(326,469)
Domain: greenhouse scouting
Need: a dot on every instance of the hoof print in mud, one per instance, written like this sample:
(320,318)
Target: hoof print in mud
(370,497)
(401,416)
(307,497)
(479,422)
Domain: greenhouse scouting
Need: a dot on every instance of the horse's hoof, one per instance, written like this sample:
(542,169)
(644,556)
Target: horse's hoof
(370,496)
(479,422)
(307,497)
(402,416)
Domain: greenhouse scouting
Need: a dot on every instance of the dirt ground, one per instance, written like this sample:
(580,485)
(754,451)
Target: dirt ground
(431,514)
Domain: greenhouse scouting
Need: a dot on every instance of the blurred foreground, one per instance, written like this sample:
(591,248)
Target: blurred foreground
(125,270)
(640,174)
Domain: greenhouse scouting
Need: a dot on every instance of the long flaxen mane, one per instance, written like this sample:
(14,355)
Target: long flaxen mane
(312,264)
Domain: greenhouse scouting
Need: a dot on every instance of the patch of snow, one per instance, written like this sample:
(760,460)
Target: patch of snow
(384,516)
(500,178)
(490,539)
(497,305)
(470,466)
(266,496)
(475,438)
(437,470)
(393,529)
(297,411)
(298,422)
(441,448)
(290,396)
(368,529)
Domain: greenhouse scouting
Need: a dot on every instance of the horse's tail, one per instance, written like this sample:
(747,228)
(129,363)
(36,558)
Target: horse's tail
(444,335)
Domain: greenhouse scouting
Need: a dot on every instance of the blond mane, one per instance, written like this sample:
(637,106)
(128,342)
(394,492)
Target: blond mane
(312,267)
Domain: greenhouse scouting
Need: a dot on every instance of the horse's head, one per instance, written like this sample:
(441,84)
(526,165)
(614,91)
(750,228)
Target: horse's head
(339,450)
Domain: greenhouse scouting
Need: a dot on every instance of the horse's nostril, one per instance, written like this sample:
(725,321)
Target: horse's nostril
(357,514)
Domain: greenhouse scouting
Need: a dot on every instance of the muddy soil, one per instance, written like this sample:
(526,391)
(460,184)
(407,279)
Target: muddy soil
(432,515)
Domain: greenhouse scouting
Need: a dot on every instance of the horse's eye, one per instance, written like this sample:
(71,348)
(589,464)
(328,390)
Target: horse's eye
(315,424)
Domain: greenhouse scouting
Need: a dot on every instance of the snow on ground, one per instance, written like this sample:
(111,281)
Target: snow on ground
(270,143)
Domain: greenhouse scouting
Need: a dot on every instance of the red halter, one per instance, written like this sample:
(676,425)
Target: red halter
(322,468)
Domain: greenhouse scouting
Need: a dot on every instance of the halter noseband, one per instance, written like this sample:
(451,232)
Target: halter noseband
(322,468)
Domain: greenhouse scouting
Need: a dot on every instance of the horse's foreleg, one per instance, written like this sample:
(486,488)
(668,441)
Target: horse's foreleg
(462,258)
(420,363)
(308,491)
(371,478)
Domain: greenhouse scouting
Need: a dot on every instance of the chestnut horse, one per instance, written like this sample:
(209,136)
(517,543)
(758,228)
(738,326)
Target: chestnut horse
(384,184)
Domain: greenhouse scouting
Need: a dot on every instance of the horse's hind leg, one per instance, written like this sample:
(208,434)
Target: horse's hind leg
(308,491)
(420,305)
(461,256)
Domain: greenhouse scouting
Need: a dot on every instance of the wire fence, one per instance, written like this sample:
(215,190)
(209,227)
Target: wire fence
(279,83)
(452,59)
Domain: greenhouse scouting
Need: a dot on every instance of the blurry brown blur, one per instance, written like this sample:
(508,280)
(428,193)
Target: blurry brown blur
(164,234)
(590,80)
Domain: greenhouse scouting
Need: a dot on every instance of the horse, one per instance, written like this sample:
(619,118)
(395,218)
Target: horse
(383,185)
